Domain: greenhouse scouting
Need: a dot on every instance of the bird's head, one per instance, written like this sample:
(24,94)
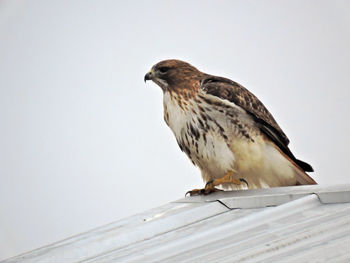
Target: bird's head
(173,74)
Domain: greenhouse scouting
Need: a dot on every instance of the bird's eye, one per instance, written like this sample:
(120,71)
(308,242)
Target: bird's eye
(163,69)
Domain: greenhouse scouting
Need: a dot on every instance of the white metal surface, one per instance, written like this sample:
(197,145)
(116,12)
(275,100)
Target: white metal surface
(290,224)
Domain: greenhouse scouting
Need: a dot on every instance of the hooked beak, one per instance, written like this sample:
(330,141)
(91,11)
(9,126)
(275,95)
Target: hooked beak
(148,76)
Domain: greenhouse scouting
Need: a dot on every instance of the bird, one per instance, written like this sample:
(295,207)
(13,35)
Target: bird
(226,131)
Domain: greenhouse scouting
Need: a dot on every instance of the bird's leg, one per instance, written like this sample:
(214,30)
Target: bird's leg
(210,186)
(228,179)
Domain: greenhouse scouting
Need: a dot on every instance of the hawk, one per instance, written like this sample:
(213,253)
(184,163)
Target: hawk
(225,130)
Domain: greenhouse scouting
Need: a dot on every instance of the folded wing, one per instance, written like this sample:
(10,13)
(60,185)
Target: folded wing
(227,89)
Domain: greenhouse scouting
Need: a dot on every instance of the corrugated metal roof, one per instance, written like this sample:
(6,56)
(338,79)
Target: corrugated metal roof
(288,224)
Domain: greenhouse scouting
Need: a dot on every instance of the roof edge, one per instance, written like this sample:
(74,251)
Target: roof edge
(258,198)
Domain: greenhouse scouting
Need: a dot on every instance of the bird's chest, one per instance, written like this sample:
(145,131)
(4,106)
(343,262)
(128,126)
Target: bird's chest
(198,134)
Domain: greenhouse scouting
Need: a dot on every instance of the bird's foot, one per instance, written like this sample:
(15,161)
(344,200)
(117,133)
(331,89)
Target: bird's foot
(229,179)
(210,186)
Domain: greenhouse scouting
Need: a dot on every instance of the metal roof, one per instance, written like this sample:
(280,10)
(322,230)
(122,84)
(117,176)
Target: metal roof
(287,224)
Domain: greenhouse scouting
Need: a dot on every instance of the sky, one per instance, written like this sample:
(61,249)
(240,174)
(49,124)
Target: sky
(82,137)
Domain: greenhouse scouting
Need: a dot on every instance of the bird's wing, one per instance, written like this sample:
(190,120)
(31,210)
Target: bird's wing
(227,89)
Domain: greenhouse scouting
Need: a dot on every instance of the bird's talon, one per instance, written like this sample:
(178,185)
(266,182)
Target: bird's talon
(195,192)
(205,191)
(209,184)
(244,181)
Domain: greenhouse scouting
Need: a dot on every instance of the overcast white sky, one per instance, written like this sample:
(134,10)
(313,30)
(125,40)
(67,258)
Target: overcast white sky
(82,138)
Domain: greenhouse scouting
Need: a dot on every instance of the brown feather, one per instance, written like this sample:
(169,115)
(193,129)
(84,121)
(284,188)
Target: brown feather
(229,90)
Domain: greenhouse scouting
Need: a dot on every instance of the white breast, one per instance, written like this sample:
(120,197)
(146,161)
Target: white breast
(177,116)
(214,162)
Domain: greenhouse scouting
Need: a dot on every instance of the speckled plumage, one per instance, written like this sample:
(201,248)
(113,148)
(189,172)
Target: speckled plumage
(223,127)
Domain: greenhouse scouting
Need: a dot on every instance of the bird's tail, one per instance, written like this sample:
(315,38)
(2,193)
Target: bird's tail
(305,166)
(300,169)
(302,177)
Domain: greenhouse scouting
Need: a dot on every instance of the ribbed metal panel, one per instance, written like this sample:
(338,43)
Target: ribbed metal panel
(291,224)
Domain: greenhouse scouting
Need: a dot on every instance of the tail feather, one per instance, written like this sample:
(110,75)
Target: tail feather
(300,169)
(303,178)
(305,166)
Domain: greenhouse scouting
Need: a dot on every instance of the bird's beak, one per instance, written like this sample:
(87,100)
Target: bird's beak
(148,76)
